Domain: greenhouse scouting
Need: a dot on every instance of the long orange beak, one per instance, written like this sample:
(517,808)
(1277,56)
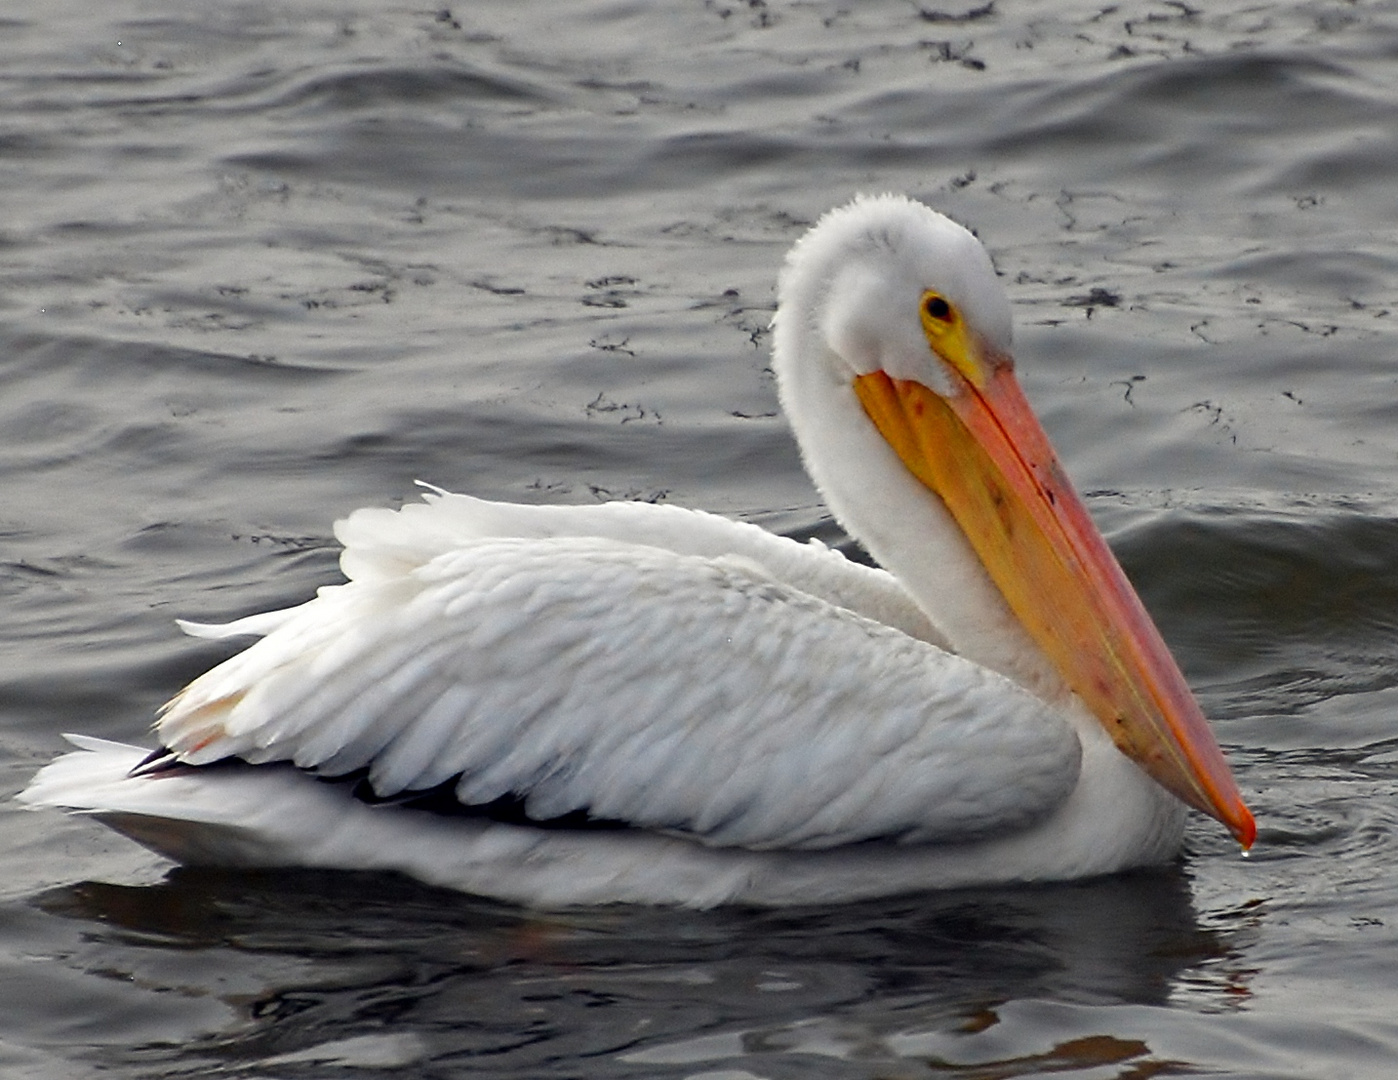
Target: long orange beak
(983,452)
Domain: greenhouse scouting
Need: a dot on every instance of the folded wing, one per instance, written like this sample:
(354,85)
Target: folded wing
(731,698)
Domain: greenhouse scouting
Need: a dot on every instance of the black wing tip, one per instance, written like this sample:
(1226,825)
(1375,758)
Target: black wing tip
(161,759)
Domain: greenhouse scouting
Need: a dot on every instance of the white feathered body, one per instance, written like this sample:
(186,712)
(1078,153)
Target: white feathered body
(739,717)
(777,724)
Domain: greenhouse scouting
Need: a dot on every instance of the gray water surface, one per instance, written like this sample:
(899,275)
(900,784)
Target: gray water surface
(263,263)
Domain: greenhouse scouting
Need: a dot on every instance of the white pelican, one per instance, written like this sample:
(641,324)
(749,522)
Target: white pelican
(642,703)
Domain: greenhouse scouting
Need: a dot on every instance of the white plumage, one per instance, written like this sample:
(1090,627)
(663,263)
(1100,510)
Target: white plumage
(472,665)
(771,722)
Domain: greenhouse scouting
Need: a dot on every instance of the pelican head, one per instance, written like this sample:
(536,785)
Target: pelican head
(893,356)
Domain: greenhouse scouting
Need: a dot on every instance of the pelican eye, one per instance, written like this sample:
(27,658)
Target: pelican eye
(949,337)
(935,307)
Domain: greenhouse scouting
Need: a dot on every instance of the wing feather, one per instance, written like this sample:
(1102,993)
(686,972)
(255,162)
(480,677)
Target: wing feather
(385,545)
(678,692)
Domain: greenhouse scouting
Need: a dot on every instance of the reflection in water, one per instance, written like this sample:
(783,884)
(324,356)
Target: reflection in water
(1085,1053)
(376,971)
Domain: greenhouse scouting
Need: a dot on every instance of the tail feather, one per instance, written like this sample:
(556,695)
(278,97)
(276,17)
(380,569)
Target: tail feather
(235,814)
(219,816)
(225,814)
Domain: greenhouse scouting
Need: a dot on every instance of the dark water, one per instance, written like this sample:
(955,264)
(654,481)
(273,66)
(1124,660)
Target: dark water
(261,263)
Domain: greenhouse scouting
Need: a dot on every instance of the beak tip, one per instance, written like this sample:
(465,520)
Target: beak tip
(1243,827)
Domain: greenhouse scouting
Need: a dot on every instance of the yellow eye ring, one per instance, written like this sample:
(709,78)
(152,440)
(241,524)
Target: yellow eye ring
(936,307)
(948,337)
(939,317)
